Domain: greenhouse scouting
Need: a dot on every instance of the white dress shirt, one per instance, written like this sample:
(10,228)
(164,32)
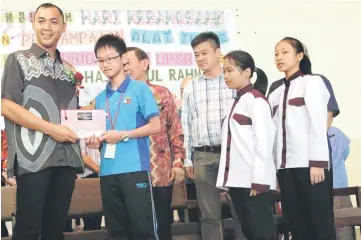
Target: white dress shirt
(248,134)
(299,108)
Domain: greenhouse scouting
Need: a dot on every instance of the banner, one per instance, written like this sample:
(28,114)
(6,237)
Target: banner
(164,34)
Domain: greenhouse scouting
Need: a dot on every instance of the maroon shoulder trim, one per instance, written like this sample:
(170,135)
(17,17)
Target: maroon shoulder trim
(258,94)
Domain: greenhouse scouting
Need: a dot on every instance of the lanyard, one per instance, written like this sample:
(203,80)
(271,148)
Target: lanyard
(116,113)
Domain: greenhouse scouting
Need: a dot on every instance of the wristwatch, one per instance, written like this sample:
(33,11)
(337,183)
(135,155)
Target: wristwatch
(125,138)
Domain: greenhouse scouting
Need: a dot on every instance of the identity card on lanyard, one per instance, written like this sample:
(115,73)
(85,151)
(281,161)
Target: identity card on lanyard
(110,149)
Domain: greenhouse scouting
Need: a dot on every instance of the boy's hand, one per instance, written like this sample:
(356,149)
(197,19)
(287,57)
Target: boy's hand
(112,136)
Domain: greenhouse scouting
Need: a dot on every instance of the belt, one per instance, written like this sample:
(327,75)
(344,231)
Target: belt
(211,149)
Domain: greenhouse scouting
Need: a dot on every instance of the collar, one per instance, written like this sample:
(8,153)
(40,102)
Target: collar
(244,90)
(219,77)
(293,77)
(122,88)
(39,52)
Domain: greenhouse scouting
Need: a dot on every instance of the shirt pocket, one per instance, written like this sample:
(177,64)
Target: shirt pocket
(297,102)
(242,119)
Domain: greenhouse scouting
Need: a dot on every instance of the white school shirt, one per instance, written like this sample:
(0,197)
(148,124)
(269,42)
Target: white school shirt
(299,109)
(248,134)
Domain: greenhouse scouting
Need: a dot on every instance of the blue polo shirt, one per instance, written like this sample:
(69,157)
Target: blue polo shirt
(137,106)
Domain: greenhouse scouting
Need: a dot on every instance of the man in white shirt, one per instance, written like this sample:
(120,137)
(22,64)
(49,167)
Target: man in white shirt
(204,105)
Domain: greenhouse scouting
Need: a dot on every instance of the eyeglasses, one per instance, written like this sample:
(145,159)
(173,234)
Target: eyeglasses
(107,60)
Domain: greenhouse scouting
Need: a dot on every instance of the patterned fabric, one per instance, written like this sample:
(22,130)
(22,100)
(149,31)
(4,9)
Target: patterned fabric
(93,154)
(42,86)
(205,104)
(168,143)
(4,150)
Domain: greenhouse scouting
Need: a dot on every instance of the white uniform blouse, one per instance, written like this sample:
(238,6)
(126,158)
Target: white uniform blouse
(247,142)
(299,109)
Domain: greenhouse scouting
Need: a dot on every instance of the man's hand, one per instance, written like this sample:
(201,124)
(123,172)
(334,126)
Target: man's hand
(189,172)
(93,142)
(11,181)
(112,136)
(177,175)
(317,175)
(62,133)
(253,193)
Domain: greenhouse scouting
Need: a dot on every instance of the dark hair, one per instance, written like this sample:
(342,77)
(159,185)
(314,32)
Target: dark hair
(112,41)
(50,5)
(206,36)
(244,60)
(139,53)
(305,64)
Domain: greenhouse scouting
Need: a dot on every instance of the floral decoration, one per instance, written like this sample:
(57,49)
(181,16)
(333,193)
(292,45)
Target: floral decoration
(75,77)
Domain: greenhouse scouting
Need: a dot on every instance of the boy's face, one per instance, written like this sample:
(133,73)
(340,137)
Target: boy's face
(110,61)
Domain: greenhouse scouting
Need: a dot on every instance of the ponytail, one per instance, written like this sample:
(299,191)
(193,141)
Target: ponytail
(243,60)
(261,83)
(305,65)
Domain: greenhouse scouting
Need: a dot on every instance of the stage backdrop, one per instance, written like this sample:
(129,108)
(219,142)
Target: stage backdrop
(164,35)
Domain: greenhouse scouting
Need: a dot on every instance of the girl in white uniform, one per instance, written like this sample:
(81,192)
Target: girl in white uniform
(299,107)
(246,166)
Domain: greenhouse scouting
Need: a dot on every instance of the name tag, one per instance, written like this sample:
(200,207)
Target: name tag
(110,151)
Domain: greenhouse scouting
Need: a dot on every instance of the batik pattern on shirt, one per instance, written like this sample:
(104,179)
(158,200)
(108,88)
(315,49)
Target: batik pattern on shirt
(42,86)
(168,144)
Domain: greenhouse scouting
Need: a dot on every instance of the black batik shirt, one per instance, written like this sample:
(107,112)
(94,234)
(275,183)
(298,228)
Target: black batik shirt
(43,87)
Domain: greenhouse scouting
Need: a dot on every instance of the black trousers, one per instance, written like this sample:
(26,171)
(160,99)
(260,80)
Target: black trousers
(309,208)
(42,203)
(128,206)
(255,213)
(162,197)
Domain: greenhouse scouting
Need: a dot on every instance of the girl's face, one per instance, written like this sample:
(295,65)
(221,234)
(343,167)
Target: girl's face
(233,76)
(286,58)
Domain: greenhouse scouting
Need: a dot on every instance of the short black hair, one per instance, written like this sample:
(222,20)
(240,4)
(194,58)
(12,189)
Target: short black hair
(206,36)
(50,5)
(112,41)
(139,53)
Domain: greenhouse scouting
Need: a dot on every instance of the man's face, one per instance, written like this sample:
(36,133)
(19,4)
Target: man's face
(48,26)
(135,68)
(206,56)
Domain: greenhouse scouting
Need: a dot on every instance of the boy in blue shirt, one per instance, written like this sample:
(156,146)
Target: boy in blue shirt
(132,116)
